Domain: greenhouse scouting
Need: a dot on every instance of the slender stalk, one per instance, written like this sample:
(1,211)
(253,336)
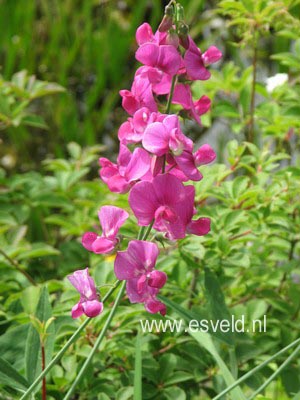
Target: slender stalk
(62,351)
(16,265)
(171,94)
(254,370)
(276,373)
(97,343)
(44,389)
(148,231)
(250,136)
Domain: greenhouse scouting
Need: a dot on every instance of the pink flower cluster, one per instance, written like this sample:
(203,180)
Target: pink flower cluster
(155,160)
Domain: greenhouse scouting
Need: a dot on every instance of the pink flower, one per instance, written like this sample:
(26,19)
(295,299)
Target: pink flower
(136,266)
(161,137)
(111,219)
(204,155)
(89,303)
(130,168)
(195,62)
(163,57)
(139,96)
(183,96)
(168,203)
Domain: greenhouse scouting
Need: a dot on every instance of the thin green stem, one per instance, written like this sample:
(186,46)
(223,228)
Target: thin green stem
(16,265)
(141,232)
(254,370)
(276,373)
(147,233)
(97,343)
(171,94)
(62,351)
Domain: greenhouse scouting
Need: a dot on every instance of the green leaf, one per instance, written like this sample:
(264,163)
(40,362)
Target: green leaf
(217,304)
(137,394)
(10,376)
(33,345)
(205,340)
(38,250)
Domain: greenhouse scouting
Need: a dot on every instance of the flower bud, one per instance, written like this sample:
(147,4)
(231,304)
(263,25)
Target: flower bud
(183,33)
(167,20)
(157,279)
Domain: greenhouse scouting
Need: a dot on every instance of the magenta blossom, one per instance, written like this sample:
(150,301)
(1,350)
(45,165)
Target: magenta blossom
(195,62)
(111,219)
(169,204)
(89,303)
(139,96)
(136,266)
(130,168)
(183,96)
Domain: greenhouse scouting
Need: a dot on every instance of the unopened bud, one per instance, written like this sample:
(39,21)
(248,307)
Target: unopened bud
(172,39)
(183,33)
(167,21)
(179,13)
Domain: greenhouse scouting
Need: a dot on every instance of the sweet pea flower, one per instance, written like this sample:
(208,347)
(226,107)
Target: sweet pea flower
(196,62)
(164,136)
(168,203)
(183,96)
(139,96)
(163,57)
(130,168)
(89,303)
(136,266)
(111,219)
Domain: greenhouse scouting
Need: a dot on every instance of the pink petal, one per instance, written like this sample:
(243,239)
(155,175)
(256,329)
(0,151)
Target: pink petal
(199,227)
(83,283)
(88,239)
(194,65)
(77,310)
(187,165)
(139,165)
(204,155)
(156,139)
(157,279)
(111,219)
(92,308)
(143,202)
(183,96)
(212,55)
(136,260)
(102,245)
(154,306)
(148,54)
(156,165)
(132,291)
(169,60)
(129,102)
(144,34)
(202,105)
(140,119)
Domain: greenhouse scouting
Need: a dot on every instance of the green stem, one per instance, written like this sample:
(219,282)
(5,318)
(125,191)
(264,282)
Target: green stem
(97,343)
(276,373)
(62,351)
(171,94)
(250,373)
(16,265)
(147,233)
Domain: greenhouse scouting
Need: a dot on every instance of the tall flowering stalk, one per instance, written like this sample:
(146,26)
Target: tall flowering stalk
(155,161)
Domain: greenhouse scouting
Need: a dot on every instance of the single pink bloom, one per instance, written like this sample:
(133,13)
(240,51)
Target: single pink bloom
(194,64)
(168,203)
(183,96)
(163,57)
(136,266)
(161,137)
(111,219)
(139,96)
(130,168)
(160,81)
(89,303)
